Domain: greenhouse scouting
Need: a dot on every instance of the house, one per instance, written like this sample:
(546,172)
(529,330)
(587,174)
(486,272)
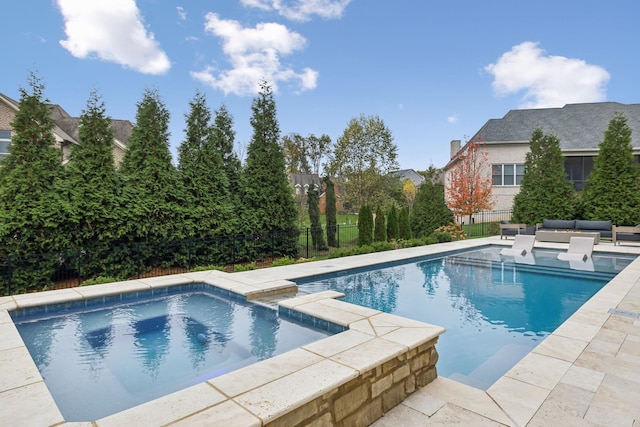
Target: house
(301,182)
(579,127)
(409,174)
(65,130)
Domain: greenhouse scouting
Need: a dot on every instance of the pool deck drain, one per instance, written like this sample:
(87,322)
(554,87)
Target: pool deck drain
(587,372)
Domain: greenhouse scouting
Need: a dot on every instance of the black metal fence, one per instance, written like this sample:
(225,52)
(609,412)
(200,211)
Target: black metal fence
(37,272)
(485,223)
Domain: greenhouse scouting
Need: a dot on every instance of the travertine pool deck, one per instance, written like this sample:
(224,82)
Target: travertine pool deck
(586,373)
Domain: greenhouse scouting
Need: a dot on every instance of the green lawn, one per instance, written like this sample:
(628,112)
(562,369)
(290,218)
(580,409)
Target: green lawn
(342,219)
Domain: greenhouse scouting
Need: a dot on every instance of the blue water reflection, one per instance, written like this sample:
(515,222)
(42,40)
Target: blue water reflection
(495,309)
(112,357)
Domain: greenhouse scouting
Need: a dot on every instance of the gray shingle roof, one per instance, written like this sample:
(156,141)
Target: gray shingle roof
(578,126)
(305,180)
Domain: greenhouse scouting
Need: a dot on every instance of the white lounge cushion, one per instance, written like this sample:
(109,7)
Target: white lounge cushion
(522,244)
(580,248)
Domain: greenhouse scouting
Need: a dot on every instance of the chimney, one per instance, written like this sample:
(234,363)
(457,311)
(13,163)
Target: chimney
(455,147)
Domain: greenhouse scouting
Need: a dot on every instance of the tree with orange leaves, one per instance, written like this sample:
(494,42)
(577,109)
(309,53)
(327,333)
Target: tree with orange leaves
(469,182)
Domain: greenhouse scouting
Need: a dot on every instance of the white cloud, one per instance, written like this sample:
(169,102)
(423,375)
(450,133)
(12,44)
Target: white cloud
(302,10)
(182,14)
(254,54)
(112,31)
(452,119)
(547,81)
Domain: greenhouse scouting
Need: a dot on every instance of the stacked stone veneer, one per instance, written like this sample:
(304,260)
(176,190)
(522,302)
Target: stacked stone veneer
(388,357)
(364,399)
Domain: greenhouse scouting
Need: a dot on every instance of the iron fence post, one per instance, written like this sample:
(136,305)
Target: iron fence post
(79,266)
(307,242)
(9,275)
(273,245)
(233,249)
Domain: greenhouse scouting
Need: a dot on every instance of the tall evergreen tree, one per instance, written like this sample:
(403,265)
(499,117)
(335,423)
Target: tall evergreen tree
(317,234)
(208,203)
(429,209)
(94,190)
(224,138)
(153,189)
(32,208)
(268,196)
(365,226)
(330,212)
(92,179)
(393,230)
(380,226)
(545,191)
(404,226)
(613,188)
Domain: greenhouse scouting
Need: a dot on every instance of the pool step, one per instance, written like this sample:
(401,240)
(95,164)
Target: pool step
(485,375)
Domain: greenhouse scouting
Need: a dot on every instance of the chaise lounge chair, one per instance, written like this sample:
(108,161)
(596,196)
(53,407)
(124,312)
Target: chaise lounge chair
(580,249)
(522,244)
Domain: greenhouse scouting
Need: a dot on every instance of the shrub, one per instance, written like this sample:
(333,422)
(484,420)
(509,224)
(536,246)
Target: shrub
(380,226)
(453,229)
(98,281)
(244,267)
(382,246)
(206,268)
(441,236)
(493,228)
(283,261)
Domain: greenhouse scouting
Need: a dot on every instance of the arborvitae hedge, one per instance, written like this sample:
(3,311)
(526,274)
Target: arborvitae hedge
(330,212)
(545,191)
(317,234)
(155,196)
(268,199)
(95,191)
(393,230)
(613,187)
(429,210)
(404,226)
(380,226)
(365,226)
(208,203)
(223,137)
(33,208)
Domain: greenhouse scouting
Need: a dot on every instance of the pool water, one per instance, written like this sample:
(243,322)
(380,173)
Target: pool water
(101,361)
(495,310)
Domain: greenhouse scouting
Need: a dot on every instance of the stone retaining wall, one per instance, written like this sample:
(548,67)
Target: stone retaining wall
(364,399)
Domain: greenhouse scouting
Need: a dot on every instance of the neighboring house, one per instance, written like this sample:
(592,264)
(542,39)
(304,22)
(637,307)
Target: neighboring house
(579,127)
(301,182)
(409,174)
(65,131)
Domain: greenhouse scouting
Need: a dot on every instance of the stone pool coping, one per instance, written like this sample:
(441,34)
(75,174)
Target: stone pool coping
(260,393)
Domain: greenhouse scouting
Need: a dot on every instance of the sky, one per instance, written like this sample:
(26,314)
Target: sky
(432,71)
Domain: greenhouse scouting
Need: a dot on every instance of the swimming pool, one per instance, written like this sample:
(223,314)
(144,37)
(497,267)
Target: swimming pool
(98,358)
(495,309)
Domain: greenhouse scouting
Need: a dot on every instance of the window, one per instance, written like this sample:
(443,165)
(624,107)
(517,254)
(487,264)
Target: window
(578,169)
(5,140)
(507,174)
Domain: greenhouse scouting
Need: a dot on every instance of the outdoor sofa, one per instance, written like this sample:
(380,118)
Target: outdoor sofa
(605,228)
(626,234)
(509,229)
